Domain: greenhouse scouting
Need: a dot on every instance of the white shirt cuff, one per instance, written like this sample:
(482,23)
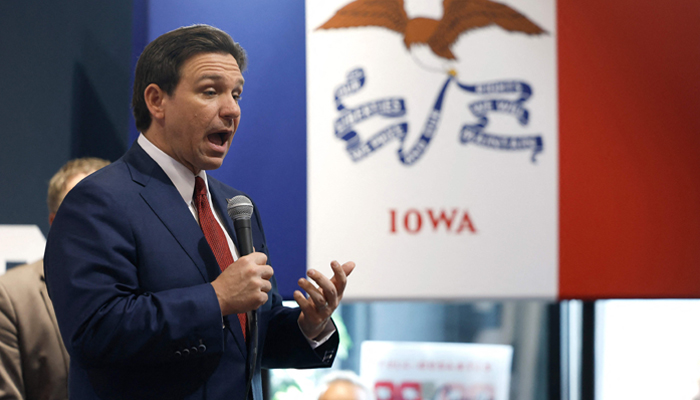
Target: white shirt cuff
(323,337)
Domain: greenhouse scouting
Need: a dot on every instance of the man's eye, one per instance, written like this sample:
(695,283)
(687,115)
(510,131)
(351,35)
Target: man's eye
(237,97)
(210,92)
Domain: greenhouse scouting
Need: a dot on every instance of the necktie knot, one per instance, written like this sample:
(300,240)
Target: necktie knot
(200,188)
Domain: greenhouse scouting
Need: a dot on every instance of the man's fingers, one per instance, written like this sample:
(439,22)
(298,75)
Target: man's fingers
(337,269)
(314,293)
(340,275)
(342,272)
(267,272)
(330,291)
(302,301)
(338,280)
(257,258)
(326,297)
(254,258)
(348,267)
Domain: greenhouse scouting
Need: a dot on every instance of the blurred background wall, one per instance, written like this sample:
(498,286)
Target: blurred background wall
(65,89)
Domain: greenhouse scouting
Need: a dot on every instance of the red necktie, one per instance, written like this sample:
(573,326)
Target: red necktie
(214,235)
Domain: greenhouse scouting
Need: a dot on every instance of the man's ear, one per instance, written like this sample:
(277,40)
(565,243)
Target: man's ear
(155,97)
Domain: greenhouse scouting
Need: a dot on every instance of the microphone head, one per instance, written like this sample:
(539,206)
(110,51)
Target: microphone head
(239,207)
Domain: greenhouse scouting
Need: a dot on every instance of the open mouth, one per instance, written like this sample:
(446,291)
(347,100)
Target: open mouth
(219,138)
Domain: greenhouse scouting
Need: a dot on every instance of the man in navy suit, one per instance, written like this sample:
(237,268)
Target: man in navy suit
(144,304)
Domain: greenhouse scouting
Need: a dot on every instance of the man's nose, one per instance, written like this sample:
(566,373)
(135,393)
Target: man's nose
(230,110)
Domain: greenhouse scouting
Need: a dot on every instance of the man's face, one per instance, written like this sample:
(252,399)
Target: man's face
(202,115)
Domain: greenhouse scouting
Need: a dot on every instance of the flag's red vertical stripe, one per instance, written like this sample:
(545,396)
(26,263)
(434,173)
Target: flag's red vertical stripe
(629,93)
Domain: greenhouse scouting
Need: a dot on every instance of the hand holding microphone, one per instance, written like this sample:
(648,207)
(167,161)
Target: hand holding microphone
(244,285)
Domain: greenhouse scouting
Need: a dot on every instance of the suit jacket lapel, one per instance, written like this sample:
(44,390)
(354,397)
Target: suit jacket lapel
(165,201)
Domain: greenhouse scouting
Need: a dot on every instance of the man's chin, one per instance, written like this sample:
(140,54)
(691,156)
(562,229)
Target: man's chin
(209,163)
(210,160)
(212,166)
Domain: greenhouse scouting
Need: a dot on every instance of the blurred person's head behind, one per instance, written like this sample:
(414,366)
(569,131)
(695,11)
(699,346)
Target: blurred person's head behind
(343,385)
(67,177)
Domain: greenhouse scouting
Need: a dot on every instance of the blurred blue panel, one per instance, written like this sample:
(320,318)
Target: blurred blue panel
(268,156)
(139,40)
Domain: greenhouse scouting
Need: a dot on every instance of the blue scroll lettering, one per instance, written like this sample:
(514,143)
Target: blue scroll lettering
(394,107)
(475,134)
(391,107)
(501,142)
(359,150)
(415,153)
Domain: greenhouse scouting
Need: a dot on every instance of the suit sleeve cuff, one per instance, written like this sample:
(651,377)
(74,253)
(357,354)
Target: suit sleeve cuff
(323,337)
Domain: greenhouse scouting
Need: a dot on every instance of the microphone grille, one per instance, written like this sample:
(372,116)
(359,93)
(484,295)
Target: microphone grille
(239,207)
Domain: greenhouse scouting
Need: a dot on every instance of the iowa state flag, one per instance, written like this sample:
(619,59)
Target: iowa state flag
(464,149)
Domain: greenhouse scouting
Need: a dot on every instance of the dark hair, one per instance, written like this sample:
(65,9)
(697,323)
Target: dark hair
(162,59)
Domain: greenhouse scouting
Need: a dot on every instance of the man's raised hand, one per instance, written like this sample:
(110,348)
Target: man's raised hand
(317,307)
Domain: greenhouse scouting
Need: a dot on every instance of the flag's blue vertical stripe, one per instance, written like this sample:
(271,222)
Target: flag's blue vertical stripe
(268,156)
(139,40)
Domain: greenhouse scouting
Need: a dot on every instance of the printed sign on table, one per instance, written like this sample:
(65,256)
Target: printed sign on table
(440,371)
(432,146)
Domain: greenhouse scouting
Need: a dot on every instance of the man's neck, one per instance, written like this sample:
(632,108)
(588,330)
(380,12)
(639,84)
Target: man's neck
(157,139)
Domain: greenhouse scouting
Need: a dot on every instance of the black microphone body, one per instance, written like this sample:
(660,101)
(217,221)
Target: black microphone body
(240,209)
(244,235)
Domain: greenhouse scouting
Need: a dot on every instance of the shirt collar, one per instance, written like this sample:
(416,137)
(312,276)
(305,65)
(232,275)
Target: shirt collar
(182,178)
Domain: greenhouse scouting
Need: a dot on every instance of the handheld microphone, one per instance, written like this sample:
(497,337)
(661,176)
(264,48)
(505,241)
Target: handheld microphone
(240,209)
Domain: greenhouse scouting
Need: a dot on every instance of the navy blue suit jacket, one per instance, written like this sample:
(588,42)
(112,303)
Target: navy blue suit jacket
(129,272)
